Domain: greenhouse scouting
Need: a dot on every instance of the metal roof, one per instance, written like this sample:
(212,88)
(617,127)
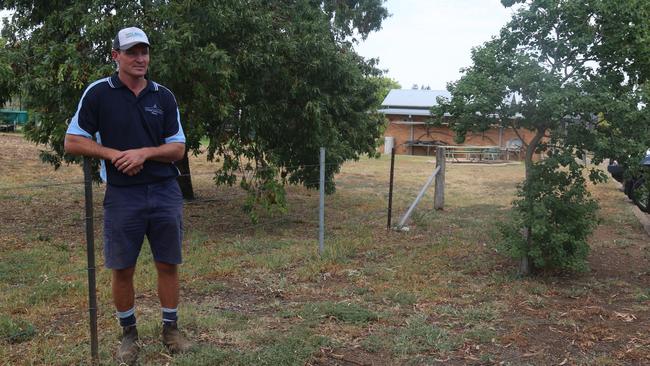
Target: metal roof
(408,112)
(405,111)
(413,98)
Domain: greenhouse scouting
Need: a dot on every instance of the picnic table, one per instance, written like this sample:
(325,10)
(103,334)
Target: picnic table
(10,118)
(464,153)
(468,153)
(423,143)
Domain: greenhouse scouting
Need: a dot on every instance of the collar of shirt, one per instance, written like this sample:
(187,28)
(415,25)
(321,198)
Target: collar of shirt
(115,83)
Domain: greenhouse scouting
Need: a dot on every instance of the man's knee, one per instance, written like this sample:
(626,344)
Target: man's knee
(166,269)
(123,275)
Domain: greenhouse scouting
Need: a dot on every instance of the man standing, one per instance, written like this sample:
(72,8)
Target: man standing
(136,124)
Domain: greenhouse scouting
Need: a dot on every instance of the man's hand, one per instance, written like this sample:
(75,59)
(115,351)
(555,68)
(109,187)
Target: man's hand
(130,162)
(133,171)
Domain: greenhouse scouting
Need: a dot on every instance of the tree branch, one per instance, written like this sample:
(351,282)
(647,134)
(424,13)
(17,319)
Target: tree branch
(530,150)
(516,130)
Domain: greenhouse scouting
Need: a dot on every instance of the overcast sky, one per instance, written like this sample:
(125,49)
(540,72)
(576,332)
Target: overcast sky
(3,13)
(426,42)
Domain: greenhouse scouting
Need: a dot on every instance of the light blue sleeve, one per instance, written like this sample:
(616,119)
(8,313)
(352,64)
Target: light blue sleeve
(84,121)
(173,130)
(179,136)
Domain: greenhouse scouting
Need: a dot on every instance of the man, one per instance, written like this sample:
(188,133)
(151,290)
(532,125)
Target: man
(138,135)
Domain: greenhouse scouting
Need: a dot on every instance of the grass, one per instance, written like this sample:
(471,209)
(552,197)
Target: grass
(16,330)
(343,311)
(643,295)
(261,294)
(418,336)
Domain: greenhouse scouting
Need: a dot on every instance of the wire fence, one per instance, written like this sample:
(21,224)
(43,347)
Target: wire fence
(55,219)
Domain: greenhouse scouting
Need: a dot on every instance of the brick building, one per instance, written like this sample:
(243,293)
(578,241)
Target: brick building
(407,112)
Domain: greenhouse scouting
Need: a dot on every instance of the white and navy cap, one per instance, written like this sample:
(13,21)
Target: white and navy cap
(129,37)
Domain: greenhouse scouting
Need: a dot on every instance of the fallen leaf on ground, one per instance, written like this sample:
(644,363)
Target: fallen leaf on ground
(625,316)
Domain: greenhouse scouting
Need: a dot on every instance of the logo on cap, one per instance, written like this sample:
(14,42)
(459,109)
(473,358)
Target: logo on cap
(129,37)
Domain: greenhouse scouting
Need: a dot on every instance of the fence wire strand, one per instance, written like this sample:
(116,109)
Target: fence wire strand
(342,184)
(352,218)
(41,185)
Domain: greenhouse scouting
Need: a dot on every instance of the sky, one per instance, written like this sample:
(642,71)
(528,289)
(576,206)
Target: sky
(427,42)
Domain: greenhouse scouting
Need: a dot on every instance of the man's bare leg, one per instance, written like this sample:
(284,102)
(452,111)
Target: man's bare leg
(122,286)
(167,284)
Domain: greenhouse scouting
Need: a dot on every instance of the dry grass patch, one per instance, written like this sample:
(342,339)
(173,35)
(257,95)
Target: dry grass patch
(260,293)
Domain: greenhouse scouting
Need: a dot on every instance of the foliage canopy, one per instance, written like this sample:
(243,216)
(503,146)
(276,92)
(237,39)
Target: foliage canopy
(7,78)
(267,83)
(573,73)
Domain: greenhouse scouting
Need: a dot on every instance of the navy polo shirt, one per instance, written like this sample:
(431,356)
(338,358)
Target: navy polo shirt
(111,113)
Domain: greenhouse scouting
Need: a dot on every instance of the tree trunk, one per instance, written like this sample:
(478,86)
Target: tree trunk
(524,265)
(185,179)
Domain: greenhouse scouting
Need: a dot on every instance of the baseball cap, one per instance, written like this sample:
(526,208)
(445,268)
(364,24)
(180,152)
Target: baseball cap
(129,37)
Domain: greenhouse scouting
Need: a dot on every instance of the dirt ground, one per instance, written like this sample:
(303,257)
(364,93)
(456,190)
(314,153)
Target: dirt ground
(601,317)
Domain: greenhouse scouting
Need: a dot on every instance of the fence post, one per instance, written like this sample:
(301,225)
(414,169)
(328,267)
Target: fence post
(390,188)
(90,248)
(418,198)
(439,198)
(321,211)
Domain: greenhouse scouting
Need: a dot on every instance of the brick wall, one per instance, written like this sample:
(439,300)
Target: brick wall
(403,133)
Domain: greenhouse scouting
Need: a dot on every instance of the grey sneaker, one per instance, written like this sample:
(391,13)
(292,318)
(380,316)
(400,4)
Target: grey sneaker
(127,354)
(174,340)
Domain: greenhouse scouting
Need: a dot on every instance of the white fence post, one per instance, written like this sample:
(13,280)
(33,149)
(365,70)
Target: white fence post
(439,199)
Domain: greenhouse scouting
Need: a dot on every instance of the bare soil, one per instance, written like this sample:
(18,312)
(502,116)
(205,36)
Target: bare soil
(600,317)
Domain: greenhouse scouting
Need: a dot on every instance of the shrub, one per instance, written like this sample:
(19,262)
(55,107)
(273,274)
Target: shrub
(552,217)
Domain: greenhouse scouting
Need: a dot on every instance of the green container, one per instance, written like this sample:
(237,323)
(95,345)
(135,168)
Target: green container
(14,117)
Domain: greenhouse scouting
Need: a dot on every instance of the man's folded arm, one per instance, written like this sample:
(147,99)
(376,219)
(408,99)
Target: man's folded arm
(81,145)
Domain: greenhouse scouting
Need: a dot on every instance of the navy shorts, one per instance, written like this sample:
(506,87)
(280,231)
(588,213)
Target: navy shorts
(130,213)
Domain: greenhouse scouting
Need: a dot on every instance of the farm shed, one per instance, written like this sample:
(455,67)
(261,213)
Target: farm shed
(407,111)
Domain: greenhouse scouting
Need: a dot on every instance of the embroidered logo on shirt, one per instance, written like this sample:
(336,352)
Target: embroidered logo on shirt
(155,110)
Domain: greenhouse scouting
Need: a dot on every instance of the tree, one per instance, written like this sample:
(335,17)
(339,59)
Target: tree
(613,42)
(267,83)
(56,49)
(384,86)
(7,78)
(553,56)
(623,53)
(623,131)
